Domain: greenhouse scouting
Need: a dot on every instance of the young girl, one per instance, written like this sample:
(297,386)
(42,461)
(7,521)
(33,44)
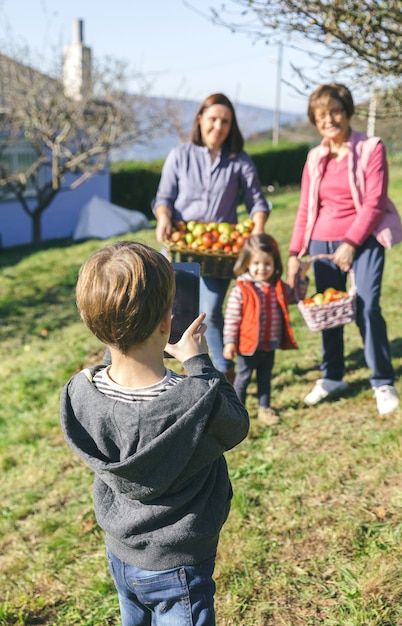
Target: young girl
(257,318)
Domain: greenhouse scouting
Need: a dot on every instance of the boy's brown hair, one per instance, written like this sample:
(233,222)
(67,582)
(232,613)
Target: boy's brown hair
(263,242)
(122,292)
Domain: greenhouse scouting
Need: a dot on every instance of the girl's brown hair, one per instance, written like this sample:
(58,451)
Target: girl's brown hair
(264,243)
(122,292)
(323,94)
(234,142)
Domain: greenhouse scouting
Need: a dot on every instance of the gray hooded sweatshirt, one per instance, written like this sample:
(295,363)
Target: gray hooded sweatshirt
(162,491)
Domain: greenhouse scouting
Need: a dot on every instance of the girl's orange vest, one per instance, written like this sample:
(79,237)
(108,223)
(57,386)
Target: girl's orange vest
(251,320)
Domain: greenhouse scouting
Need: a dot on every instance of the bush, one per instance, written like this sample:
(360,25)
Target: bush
(134,184)
(282,165)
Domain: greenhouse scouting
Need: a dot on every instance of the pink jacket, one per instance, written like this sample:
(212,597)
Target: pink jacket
(368,180)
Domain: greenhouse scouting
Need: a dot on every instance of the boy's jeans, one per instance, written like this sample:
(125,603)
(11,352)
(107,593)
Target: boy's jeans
(181,596)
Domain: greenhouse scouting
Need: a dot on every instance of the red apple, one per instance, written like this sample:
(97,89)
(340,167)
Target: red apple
(175,236)
(207,240)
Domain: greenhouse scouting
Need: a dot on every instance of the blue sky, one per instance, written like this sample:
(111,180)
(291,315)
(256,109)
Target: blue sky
(182,54)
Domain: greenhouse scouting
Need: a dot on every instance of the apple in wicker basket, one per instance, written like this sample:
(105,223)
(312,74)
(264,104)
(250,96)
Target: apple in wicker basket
(329,295)
(211,237)
(318,298)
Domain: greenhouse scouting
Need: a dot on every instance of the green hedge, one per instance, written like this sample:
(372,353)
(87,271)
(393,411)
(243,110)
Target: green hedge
(281,166)
(134,184)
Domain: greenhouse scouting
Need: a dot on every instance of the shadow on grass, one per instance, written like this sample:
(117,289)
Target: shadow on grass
(12,256)
(32,305)
(355,361)
(51,309)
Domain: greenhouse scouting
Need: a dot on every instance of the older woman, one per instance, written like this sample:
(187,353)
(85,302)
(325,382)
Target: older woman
(203,180)
(342,206)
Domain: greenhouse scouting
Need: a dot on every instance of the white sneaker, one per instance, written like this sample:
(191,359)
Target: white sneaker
(324,387)
(387,398)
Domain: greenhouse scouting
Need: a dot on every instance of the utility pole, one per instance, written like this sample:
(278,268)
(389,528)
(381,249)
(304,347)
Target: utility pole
(277,112)
(371,119)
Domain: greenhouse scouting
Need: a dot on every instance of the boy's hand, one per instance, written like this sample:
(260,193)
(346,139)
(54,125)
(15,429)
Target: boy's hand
(192,342)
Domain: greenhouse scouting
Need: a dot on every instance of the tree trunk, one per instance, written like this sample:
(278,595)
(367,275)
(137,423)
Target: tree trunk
(36,227)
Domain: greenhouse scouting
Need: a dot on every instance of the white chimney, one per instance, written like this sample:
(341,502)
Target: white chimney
(77,65)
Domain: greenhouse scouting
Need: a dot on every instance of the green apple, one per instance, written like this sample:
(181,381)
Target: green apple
(191,225)
(241,228)
(224,238)
(198,230)
(224,227)
(198,241)
(318,298)
(248,224)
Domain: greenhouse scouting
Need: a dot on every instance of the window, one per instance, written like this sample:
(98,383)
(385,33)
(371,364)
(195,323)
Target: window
(18,157)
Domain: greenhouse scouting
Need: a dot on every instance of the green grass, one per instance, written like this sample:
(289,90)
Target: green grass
(314,535)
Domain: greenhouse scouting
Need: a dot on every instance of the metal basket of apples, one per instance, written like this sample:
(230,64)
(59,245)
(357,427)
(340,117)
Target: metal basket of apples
(331,308)
(214,245)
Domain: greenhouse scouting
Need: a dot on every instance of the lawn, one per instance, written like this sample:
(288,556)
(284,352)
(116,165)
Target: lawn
(314,535)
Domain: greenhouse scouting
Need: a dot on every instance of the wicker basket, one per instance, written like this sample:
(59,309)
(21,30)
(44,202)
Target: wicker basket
(331,314)
(212,264)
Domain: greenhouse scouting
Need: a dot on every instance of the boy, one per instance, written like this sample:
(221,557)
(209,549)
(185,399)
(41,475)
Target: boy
(154,439)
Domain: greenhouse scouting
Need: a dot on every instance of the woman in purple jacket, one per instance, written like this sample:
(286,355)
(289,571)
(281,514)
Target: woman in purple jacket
(204,180)
(341,213)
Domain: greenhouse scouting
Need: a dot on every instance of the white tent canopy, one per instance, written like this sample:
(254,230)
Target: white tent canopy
(100,219)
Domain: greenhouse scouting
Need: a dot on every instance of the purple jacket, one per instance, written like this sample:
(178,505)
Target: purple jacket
(196,190)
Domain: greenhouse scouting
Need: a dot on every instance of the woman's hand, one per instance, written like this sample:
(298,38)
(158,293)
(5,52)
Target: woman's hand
(304,268)
(259,220)
(344,256)
(163,223)
(229,351)
(192,342)
(293,270)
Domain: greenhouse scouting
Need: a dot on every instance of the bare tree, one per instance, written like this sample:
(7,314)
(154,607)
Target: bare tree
(68,139)
(361,40)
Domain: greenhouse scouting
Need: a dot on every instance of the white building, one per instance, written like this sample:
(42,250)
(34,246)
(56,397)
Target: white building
(61,217)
